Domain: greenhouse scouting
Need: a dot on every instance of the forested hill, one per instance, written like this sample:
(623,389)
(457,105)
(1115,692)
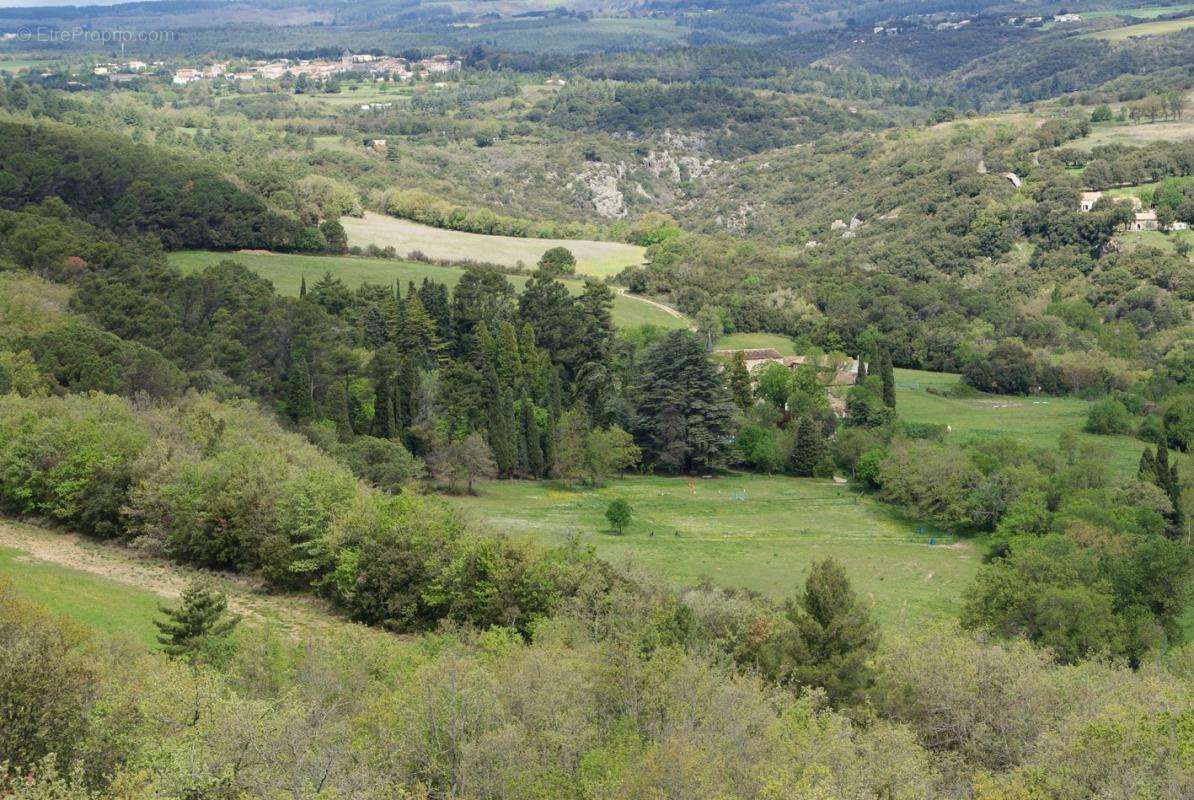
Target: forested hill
(134,188)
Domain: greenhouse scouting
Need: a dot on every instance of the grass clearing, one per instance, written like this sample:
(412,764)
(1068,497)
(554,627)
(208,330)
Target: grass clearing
(1135,135)
(1144,29)
(286,272)
(600,259)
(765,542)
(99,603)
(1132,240)
(749,341)
(1036,421)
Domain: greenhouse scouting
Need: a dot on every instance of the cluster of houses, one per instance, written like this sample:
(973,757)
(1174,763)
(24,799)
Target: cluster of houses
(377,67)
(1037,21)
(1144,219)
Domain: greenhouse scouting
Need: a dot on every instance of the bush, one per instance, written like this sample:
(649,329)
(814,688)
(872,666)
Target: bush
(71,459)
(1109,417)
(384,463)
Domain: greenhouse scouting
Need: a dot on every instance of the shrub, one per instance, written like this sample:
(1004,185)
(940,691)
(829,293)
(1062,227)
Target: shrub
(72,459)
(1108,416)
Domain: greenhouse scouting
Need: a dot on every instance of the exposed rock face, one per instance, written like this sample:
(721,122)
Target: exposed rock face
(676,168)
(600,183)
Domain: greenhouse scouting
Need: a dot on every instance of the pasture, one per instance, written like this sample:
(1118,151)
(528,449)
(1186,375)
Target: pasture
(1037,421)
(599,259)
(94,601)
(1132,240)
(748,341)
(1158,28)
(749,531)
(286,272)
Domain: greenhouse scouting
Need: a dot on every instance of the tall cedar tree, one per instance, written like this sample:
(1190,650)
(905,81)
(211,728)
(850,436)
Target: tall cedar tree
(506,357)
(434,297)
(200,618)
(551,311)
(417,339)
(887,375)
(830,641)
(481,295)
(685,416)
(740,387)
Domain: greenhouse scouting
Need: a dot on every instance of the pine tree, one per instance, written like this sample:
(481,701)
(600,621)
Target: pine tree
(740,387)
(887,375)
(200,621)
(374,326)
(836,635)
(810,450)
(530,434)
(300,402)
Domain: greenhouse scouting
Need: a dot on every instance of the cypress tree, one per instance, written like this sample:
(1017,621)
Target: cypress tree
(810,449)
(336,404)
(740,388)
(507,358)
(530,434)
(417,338)
(385,362)
(300,402)
(860,377)
(303,287)
(887,375)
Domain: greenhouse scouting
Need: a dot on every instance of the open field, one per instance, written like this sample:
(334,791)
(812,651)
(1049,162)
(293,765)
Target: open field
(764,542)
(1144,29)
(112,589)
(286,272)
(1037,421)
(600,259)
(1165,241)
(97,602)
(1136,135)
(1139,13)
(748,341)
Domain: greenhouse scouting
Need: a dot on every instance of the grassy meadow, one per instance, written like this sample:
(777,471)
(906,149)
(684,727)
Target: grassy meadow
(599,259)
(287,271)
(748,341)
(1036,421)
(1158,28)
(749,531)
(94,601)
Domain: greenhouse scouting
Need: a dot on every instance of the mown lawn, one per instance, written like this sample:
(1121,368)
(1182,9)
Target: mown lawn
(105,605)
(287,271)
(750,531)
(600,259)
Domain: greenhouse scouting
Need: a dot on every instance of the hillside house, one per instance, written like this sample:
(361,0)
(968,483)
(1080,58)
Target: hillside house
(1087,200)
(845,373)
(1144,221)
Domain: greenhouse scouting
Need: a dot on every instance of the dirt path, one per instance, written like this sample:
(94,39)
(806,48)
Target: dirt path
(299,614)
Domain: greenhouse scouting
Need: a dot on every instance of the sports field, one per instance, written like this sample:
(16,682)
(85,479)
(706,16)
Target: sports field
(287,271)
(600,259)
(750,531)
